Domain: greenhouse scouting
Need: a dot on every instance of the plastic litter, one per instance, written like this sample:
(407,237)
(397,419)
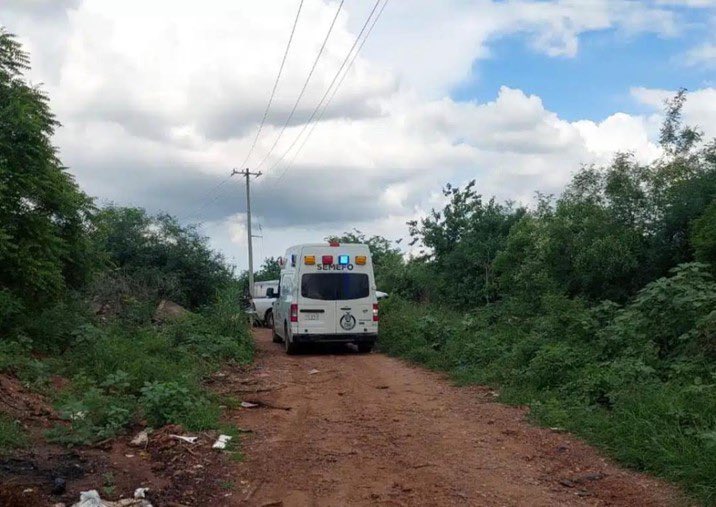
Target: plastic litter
(221,442)
(313,371)
(248,404)
(140,492)
(92,499)
(141,439)
(190,440)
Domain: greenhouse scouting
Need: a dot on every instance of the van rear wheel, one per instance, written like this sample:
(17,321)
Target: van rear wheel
(291,347)
(270,323)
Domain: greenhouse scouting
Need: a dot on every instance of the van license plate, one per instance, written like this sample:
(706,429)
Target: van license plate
(311,316)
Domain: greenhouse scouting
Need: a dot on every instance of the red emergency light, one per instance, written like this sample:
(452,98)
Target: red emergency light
(327,259)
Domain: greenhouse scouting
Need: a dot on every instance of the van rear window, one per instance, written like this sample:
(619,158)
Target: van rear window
(335,286)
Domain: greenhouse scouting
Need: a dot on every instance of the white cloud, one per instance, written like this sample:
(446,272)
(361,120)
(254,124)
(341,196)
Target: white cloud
(159,100)
(704,54)
(699,109)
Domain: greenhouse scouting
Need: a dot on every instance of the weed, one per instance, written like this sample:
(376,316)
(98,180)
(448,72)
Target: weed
(11,434)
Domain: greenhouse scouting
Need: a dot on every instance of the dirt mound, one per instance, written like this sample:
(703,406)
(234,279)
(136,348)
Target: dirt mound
(24,405)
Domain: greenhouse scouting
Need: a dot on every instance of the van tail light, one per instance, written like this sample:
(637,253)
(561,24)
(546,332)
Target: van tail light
(375,312)
(294,313)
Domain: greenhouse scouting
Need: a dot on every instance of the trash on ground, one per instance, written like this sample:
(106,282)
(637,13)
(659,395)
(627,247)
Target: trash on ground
(140,492)
(313,371)
(92,499)
(247,404)
(141,439)
(78,416)
(190,440)
(221,442)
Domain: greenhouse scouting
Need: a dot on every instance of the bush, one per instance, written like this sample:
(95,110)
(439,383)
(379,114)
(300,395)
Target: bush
(637,380)
(168,402)
(11,434)
(124,372)
(92,416)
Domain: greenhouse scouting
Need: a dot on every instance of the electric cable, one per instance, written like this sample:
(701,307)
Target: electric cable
(303,89)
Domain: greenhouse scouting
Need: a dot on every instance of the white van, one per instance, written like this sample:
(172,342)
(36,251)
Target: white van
(326,295)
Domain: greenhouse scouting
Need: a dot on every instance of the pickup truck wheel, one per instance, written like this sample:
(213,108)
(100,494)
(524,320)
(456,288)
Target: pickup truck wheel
(291,347)
(365,348)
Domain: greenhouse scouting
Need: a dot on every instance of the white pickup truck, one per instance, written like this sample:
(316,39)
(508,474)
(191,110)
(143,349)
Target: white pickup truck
(261,307)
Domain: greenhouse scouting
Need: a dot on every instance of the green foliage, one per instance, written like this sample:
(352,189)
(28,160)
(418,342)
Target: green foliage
(78,287)
(170,402)
(92,416)
(387,259)
(464,238)
(270,270)
(11,435)
(703,235)
(597,308)
(124,372)
(638,380)
(44,217)
(170,260)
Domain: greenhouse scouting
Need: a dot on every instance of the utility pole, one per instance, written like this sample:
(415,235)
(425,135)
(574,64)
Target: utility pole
(247,174)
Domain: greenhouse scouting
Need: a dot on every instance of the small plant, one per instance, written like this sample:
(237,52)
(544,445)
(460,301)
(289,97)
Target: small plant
(11,434)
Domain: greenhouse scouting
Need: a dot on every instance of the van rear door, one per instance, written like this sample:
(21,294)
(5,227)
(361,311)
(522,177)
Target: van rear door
(317,309)
(345,295)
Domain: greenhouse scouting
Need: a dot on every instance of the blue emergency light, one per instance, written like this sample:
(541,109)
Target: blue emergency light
(343,260)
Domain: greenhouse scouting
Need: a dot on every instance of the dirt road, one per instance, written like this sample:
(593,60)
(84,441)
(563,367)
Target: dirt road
(372,430)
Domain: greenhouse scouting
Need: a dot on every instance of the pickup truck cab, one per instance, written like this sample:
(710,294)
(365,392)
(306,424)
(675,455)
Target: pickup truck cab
(326,294)
(261,304)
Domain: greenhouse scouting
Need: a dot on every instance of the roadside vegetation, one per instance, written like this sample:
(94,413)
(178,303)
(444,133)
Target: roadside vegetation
(597,308)
(80,285)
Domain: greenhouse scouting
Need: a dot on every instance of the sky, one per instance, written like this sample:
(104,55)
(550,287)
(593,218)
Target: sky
(160,100)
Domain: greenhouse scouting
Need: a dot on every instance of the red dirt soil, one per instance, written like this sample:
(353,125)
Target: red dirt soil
(373,430)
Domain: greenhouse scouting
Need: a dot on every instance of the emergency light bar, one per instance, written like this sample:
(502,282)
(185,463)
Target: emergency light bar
(327,259)
(309,260)
(361,260)
(343,260)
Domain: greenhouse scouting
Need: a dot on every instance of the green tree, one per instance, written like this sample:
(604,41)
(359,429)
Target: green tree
(462,241)
(43,215)
(176,259)
(269,270)
(387,259)
(703,236)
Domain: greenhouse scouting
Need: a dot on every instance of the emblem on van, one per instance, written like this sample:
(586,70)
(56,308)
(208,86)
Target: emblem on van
(348,321)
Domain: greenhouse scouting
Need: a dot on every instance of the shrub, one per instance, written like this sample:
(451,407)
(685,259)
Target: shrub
(169,402)
(11,434)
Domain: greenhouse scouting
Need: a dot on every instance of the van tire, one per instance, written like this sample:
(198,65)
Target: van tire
(365,348)
(274,335)
(268,322)
(291,347)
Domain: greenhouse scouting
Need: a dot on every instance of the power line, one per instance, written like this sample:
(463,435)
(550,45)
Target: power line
(213,189)
(330,99)
(219,186)
(330,86)
(305,85)
(275,85)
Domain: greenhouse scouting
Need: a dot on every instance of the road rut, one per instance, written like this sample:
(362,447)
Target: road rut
(374,430)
